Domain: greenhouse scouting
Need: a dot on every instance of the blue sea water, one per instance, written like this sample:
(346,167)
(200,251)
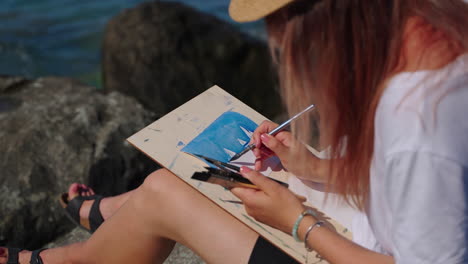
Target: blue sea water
(63,37)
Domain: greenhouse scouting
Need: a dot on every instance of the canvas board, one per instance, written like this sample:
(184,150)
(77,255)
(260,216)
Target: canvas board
(164,139)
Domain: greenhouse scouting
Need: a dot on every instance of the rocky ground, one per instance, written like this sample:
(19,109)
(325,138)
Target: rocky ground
(55,131)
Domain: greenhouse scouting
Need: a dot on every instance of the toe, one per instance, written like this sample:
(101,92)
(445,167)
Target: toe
(73,191)
(83,190)
(77,189)
(3,256)
(86,190)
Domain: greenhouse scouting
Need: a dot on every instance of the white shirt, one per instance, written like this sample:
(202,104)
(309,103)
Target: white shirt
(419,174)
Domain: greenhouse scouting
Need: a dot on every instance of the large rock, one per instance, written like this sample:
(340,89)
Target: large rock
(55,132)
(164,54)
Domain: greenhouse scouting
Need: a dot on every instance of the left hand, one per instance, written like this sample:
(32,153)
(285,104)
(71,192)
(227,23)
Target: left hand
(273,204)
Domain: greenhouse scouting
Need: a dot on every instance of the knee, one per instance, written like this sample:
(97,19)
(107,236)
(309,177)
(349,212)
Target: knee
(160,182)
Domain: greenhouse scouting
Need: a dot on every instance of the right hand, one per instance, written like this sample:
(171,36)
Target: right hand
(294,156)
(261,152)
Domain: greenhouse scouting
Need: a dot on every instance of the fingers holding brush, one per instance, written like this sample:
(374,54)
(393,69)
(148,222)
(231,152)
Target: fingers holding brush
(278,145)
(265,127)
(263,151)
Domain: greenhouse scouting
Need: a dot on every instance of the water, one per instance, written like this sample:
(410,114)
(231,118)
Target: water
(63,37)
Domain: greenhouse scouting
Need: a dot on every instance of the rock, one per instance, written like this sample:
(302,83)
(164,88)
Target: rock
(54,132)
(77,234)
(8,83)
(180,254)
(183,255)
(165,53)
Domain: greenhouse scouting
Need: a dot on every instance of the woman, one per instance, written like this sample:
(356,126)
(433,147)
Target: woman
(390,79)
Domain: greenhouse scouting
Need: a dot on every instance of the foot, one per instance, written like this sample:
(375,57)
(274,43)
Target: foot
(76,190)
(24,256)
(107,207)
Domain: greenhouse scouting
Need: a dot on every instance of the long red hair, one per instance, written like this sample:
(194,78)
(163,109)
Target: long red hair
(337,55)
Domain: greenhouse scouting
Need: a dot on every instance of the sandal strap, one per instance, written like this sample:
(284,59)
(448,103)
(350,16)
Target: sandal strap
(13,255)
(74,206)
(95,216)
(35,258)
(94,219)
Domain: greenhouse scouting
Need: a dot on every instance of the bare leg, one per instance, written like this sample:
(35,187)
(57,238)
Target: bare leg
(164,209)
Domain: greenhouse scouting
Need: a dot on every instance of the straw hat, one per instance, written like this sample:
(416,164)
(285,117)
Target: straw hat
(251,10)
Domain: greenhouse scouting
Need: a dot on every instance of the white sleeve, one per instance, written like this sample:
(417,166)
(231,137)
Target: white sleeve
(427,196)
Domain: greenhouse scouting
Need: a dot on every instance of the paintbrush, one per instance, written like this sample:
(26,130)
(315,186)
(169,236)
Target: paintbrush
(275,131)
(230,179)
(227,179)
(219,163)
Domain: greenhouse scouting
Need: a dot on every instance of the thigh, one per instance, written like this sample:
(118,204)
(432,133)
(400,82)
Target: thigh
(163,209)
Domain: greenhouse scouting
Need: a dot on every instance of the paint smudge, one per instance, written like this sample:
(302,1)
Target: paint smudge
(173,162)
(236,203)
(228,102)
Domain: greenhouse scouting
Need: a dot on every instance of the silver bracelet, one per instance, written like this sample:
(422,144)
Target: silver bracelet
(298,222)
(317,224)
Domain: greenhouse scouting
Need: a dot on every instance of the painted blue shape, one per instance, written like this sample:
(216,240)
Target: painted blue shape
(180,144)
(226,136)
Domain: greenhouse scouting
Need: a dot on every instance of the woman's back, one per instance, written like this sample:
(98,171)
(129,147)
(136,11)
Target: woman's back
(420,165)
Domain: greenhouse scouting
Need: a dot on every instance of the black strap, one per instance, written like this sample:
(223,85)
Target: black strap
(35,258)
(74,206)
(95,216)
(13,255)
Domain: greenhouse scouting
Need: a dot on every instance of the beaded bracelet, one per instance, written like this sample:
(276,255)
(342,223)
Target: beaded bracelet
(317,224)
(298,221)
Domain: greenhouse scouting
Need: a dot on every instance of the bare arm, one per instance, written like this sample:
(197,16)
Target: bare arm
(337,249)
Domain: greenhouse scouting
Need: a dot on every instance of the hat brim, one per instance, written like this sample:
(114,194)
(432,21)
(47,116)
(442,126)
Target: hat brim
(251,10)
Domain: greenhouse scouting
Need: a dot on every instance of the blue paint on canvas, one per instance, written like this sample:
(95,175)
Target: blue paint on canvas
(226,136)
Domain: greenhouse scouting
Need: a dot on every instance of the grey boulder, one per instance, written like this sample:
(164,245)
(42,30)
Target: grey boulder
(165,53)
(54,132)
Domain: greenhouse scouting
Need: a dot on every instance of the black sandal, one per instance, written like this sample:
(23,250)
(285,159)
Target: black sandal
(13,256)
(72,209)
